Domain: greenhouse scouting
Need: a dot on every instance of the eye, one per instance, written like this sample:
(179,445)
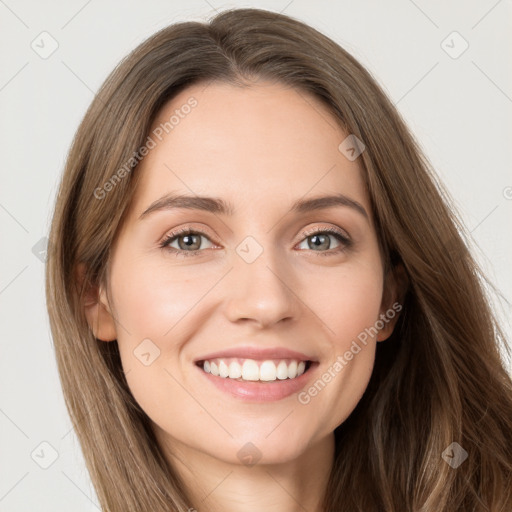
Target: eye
(320,239)
(188,242)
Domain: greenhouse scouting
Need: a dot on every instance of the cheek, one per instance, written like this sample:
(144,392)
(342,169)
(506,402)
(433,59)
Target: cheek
(152,303)
(152,300)
(347,301)
(349,307)
(158,310)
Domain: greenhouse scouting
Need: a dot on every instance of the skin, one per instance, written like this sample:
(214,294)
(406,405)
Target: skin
(260,147)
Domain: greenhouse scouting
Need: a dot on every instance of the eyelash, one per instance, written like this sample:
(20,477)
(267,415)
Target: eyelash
(345,241)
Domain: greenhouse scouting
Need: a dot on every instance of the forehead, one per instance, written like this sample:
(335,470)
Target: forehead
(266,143)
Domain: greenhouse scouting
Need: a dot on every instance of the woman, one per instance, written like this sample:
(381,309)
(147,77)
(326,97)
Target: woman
(259,295)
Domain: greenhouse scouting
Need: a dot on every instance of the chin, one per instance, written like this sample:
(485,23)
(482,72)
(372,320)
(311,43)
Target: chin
(260,449)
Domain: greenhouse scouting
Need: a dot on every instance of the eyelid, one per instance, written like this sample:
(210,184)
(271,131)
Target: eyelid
(189,228)
(328,229)
(204,231)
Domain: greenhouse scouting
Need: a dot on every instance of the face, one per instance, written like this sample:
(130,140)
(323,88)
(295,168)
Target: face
(256,280)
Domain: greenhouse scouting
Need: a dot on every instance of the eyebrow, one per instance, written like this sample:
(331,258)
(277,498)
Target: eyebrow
(219,206)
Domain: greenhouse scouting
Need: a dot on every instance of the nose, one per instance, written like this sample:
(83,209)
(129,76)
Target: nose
(262,292)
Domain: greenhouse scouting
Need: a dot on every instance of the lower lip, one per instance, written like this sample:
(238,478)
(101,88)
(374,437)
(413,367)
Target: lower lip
(260,391)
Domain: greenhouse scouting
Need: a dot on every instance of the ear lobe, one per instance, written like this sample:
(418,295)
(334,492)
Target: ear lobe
(96,307)
(395,286)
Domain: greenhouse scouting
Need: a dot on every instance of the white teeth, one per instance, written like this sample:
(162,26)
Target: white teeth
(292,370)
(268,371)
(282,370)
(252,370)
(235,370)
(223,369)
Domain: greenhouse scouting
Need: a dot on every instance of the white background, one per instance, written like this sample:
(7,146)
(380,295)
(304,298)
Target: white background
(459,109)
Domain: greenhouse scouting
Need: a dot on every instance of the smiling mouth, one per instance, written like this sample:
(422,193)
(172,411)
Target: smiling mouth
(252,370)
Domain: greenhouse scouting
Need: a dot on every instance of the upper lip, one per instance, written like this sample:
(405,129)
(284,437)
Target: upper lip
(257,353)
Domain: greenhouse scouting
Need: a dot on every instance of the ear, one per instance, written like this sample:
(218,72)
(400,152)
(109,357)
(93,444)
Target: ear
(395,286)
(96,308)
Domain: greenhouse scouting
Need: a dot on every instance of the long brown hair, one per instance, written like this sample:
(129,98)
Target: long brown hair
(439,379)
